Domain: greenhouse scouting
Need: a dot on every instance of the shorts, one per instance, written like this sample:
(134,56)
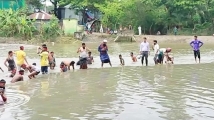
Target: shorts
(23,66)
(197,53)
(106,61)
(83,61)
(44,69)
(11,67)
(160,57)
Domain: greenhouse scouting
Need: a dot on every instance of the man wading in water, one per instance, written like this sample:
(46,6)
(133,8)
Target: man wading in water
(83,56)
(196,45)
(21,58)
(144,51)
(156,51)
(103,49)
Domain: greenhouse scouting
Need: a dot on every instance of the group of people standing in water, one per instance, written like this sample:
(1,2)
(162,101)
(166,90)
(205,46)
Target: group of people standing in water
(47,59)
(19,66)
(165,53)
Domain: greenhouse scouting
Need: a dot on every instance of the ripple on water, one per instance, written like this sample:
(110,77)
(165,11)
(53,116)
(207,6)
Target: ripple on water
(16,99)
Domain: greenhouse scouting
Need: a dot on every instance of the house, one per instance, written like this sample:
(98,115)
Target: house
(40,17)
(68,12)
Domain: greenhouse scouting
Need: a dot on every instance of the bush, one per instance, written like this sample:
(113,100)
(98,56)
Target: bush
(15,23)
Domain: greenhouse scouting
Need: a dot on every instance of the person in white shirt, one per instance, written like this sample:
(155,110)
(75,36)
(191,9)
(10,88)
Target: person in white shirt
(156,51)
(83,56)
(144,50)
(34,70)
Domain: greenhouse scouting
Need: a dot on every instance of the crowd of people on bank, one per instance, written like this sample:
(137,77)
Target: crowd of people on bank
(47,59)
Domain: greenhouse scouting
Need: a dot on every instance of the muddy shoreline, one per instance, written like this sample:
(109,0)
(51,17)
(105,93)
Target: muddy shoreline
(97,37)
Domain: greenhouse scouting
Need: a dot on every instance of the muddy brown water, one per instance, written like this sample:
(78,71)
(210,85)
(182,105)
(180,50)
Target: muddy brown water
(183,91)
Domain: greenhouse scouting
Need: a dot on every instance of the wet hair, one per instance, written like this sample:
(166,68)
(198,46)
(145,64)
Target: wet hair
(195,36)
(120,55)
(89,52)
(2,81)
(45,48)
(132,53)
(155,41)
(24,66)
(10,52)
(21,47)
(72,63)
(44,45)
(34,64)
(21,71)
(83,43)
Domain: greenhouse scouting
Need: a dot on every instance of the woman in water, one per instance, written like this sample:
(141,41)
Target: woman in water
(83,56)
(11,63)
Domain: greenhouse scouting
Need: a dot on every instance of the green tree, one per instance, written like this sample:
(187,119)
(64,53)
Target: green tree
(34,3)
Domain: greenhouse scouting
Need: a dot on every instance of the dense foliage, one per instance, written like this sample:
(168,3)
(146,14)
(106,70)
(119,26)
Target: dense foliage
(16,24)
(35,3)
(50,30)
(192,16)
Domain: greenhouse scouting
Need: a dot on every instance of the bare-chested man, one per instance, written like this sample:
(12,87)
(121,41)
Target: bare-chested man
(18,76)
(51,60)
(65,65)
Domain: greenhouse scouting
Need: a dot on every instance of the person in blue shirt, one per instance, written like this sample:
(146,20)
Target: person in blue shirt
(196,45)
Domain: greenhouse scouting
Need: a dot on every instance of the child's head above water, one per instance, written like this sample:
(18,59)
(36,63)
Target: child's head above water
(120,56)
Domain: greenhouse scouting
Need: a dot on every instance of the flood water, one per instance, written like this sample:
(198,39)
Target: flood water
(183,91)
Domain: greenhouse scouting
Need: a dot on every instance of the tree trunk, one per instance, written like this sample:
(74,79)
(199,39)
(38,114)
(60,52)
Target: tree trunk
(150,29)
(54,2)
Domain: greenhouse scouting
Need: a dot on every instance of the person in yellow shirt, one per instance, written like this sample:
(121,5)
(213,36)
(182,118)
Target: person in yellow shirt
(21,58)
(44,60)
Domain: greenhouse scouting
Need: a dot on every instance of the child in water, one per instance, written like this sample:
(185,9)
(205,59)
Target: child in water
(121,60)
(63,67)
(134,59)
(3,99)
(90,58)
(2,84)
